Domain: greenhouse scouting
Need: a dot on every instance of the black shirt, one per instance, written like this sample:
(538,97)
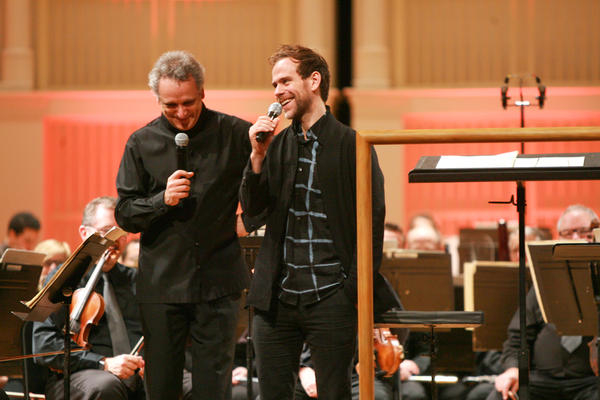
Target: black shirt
(190,253)
(311,269)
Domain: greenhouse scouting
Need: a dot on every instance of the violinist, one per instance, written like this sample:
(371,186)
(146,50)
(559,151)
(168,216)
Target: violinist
(560,365)
(106,370)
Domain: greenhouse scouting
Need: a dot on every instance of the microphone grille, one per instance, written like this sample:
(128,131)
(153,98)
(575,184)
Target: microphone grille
(274,110)
(182,139)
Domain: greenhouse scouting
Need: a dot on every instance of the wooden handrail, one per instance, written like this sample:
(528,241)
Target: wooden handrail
(364,140)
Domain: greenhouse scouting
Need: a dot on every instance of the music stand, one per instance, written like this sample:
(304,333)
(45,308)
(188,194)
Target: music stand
(491,287)
(567,285)
(525,167)
(57,292)
(250,246)
(430,320)
(413,274)
(19,274)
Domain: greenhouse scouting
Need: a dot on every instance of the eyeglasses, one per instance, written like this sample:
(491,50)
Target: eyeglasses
(581,232)
(103,231)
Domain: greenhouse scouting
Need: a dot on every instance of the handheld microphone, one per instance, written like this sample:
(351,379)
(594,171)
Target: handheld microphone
(181,141)
(274,111)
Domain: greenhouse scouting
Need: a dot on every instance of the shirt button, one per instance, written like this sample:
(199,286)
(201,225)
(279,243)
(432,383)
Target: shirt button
(197,244)
(300,169)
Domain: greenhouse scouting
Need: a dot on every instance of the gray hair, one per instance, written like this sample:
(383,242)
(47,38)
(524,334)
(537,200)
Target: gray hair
(178,65)
(576,208)
(89,212)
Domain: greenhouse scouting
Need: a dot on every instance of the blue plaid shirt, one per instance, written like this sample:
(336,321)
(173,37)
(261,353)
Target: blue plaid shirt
(311,268)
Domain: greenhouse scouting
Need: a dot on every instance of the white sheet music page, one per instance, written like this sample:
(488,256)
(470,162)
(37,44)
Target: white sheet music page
(503,160)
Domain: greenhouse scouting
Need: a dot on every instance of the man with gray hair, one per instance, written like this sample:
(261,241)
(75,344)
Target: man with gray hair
(191,270)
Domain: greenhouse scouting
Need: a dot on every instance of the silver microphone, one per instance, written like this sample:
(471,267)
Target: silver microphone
(274,111)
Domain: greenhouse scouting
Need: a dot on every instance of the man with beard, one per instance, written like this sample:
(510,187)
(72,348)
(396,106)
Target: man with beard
(302,183)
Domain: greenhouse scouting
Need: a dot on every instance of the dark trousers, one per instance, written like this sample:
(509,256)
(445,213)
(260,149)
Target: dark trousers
(92,384)
(329,329)
(559,389)
(211,329)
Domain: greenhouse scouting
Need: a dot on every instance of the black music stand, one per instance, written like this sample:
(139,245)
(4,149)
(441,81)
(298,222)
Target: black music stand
(430,320)
(19,274)
(57,292)
(250,246)
(530,167)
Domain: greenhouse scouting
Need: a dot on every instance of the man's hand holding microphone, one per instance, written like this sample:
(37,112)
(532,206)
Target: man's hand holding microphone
(178,184)
(261,135)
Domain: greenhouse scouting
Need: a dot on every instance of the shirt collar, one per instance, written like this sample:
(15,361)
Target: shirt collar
(315,131)
(204,115)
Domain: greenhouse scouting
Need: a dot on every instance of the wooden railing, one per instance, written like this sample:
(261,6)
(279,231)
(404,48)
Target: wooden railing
(367,138)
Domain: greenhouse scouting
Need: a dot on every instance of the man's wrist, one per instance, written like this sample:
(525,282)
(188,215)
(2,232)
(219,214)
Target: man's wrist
(101,364)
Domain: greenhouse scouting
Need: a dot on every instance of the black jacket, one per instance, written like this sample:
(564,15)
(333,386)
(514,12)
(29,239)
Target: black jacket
(266,197)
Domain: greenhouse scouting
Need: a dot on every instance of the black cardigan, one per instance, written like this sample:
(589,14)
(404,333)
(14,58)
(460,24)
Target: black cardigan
(266,197)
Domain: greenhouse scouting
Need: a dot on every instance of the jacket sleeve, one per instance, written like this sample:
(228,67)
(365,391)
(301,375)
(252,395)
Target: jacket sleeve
(48,336)
(136,210)
(254,197)
(511,347)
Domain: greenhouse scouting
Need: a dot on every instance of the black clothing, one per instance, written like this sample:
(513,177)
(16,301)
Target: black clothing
(87,377)
(311,269)
(211,325)
(191,253)
(555,373)
(328,326)
(191,266)
(266,198)
(47,335)
(548,357)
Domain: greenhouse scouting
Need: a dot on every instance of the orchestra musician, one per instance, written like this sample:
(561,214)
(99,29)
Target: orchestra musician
(560,365)
(106,370)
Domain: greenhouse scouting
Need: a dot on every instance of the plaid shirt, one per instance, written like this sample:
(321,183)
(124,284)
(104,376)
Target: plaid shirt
(311,268)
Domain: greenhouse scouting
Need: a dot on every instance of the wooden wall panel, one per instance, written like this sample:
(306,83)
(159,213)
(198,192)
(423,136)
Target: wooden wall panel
(478,42)
(112,44)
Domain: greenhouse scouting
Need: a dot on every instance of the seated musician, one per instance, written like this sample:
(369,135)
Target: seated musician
(106,370)
(560,365)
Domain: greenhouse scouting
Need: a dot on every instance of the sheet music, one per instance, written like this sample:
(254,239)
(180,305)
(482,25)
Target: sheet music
(503,160)
(507,160)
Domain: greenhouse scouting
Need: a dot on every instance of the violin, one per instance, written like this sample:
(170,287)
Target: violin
(389,351)
(87,306)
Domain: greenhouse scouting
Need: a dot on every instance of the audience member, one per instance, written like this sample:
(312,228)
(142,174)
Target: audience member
(106,370)
(513,241)
(23,232)
(424,237)
(3,380)
(393,236)
(560,365)
(422,219)
(56,253)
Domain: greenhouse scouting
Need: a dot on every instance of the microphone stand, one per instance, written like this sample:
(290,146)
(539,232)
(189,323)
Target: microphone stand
(523,358)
